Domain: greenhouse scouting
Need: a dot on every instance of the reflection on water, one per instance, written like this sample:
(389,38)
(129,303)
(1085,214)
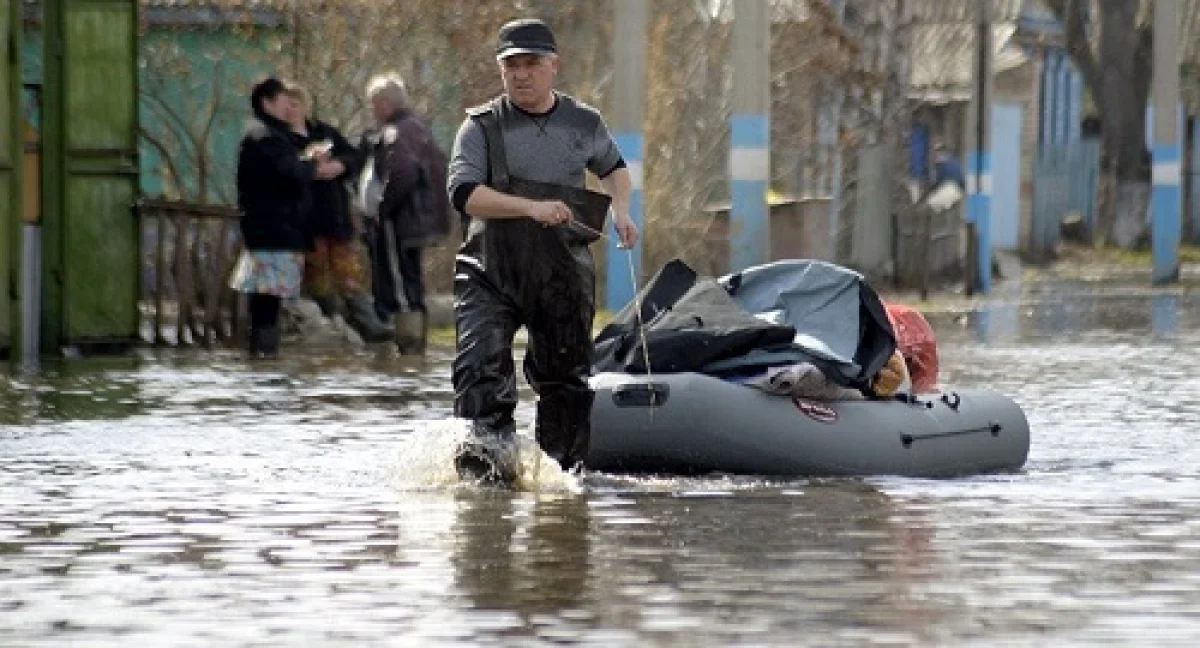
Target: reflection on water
(176,500)
(1164,314)
(1055,316)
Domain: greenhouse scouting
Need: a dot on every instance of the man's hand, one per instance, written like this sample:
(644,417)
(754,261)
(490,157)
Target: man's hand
(627,231)
(549,212)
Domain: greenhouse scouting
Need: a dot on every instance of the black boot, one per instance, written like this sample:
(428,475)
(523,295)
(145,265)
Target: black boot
(563,425)
(327,303)
(264,342)
(412,331)
(488,457)
(360,315)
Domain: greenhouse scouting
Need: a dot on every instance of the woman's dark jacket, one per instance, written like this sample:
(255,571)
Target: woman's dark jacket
(329,205)
(272,185)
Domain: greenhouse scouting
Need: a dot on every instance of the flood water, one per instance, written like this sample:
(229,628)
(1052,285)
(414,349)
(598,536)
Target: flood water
(184,499)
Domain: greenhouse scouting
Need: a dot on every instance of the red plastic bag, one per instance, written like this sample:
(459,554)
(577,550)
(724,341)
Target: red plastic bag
(916,342)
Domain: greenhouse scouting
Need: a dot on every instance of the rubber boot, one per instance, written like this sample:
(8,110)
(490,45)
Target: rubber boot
(264,342)
(360,315)
(411,332)
(487,457)
(327,303)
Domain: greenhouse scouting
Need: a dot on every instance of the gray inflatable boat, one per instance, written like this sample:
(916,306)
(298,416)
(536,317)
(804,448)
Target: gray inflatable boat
(689,423)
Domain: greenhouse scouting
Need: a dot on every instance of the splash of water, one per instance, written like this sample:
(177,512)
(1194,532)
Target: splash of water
(426,461)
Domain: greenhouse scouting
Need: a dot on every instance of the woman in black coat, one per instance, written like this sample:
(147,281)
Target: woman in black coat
(272,181)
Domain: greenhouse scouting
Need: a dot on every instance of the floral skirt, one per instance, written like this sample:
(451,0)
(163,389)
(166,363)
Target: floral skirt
(269,272)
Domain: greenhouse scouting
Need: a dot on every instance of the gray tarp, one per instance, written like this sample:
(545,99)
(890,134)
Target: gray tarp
(834,311)
(828,314)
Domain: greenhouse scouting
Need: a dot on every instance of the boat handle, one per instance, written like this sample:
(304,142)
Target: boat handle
(641,395)
(992,427)
(952,404)
(913,401)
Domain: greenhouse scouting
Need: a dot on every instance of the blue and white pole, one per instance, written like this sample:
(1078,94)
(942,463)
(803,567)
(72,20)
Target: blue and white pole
(1166,203)
(1166,220)
(979,212)
(624,267)
(979,154)
(749,154)
(749,166)
(621,287)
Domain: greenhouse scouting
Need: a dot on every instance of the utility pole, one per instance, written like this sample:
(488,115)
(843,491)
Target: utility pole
(749,156)
(829,138)
(629,93)
(979,159)
(1166,225)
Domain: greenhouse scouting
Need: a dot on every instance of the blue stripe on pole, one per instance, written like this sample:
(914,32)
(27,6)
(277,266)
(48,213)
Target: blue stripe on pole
(749,131)
(1166,220)
(748,225)
(979,212)
(975,172)
(620,286)
(749,163)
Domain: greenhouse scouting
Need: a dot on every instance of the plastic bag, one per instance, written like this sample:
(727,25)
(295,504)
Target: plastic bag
(916,342)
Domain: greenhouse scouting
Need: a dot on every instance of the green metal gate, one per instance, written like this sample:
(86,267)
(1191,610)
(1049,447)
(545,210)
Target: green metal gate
(10,165)
(89,137)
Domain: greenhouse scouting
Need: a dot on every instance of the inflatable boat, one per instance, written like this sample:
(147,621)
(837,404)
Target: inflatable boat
(690,423)
(678,384)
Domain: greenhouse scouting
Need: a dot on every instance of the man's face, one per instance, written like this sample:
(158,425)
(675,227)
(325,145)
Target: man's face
(381,109)
(529,78)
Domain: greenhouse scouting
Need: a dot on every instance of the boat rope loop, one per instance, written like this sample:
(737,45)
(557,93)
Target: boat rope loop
(637,303)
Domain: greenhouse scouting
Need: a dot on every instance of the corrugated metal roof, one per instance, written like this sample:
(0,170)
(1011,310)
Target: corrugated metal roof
(943,47)
(943,60)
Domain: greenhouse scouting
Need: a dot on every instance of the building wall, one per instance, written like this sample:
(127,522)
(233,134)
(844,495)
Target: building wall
(184,73)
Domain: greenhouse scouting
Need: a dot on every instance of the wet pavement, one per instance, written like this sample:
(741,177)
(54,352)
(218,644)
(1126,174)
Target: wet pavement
(185,499)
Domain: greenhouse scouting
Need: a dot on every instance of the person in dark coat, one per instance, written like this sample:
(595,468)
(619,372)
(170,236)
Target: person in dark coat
(272,183)
(333,272)
(402,193)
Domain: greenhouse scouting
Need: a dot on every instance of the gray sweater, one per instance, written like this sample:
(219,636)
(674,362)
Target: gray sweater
(554,147)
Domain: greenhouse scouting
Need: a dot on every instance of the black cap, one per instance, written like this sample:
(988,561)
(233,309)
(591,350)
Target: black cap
(525,36)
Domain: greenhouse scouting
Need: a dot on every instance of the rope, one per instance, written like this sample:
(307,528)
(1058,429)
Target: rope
(637,303)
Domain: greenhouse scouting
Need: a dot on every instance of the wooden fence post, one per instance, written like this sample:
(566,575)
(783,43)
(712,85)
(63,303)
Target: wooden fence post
(160,276)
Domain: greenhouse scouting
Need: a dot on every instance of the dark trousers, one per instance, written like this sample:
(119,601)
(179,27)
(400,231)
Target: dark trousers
(264,311)
(397,279)
(557,312)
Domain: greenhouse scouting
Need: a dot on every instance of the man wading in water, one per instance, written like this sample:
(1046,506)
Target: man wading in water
(518,171)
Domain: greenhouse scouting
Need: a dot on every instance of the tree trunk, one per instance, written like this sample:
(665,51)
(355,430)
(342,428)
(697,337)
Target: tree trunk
(1118,73)
(1125,64)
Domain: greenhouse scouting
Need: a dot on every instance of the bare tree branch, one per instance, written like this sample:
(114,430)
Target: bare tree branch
(163,152)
